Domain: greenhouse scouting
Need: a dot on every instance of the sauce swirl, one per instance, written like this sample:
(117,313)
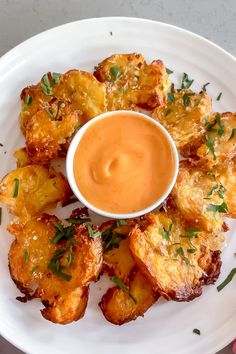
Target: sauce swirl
(123,163)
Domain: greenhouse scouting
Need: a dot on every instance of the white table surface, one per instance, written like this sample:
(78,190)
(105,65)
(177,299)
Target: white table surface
(21,19)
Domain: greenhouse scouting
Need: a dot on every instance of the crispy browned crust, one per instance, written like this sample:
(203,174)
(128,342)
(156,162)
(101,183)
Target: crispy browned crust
(119,307)
(29,258)
(223,144)
(194,192)
(50,120)
(64,309)
(175,273)
(185,123)
(136,84)
(40,188)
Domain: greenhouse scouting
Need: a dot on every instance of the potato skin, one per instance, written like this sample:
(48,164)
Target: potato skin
(174,272)
(224,144)
(29,258)
(185,123)
(131,83)
(119,307)
(40,188)
(196,189)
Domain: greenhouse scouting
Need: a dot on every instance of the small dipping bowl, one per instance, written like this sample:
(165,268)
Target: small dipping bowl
(171,157)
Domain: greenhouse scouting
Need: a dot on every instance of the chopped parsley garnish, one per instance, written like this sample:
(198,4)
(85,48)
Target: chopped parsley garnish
(186,99)
(92,233)
(210,145)
(186,82)
(227,280)
(221,129)
(204,86)
(122,286)
(191,250)
(111,34)
(192,229)
(219,188)
(47,84)
(1,144)
(28,100)
(122,90)
(56,267)
(169,111)
(16,189)
(219,96)
(169,71)
(232,133)
(197,102)
(172,88)
(197,331)
(180,252)
(49,112)
(218,208)
(110,238)
(191,236)
(26,256)
(115,73)
(166,233)
(170,97)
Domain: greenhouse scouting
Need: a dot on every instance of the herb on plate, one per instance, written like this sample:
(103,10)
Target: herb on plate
(227,279)
(186,82)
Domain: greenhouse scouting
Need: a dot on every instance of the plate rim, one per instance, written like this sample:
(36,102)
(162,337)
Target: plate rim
(6,57)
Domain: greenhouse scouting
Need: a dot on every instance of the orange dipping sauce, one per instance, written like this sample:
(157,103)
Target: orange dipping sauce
(123,163)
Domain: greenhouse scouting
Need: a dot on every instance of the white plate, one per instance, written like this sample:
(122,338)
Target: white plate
(167,326)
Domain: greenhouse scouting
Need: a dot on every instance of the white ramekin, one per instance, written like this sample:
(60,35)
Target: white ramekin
(70,159)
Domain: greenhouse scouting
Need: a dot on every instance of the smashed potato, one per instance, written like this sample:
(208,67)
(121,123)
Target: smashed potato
(56,264)
(46,136)
(117,259)
(198,192)
(29,190)
(220,140)
(120,306)
(176,257)
(22,158)
(184,116)
(55,109)
(131,83)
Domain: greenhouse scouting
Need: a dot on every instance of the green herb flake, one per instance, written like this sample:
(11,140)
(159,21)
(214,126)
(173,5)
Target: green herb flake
(121,222)
(26,256)
(56,78)
(169,72)
(180,252)
(219,96)
(186,98)
(1,144)
(186,82)
(92,233)
(56,267)
(197,102)
(169,111)
(210,145)
(170,97)
(232,133)
(166,234)
(16,188)
(197,331)
(115,73)
(122,286)
(122,90)
(205,86)
(191,250)
(221,129)
(221,208)
(28,100)
(34,269)
(192,229)
(227,279)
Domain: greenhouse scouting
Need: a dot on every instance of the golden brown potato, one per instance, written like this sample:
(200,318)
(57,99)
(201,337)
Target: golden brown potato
(120,306)
(176,258)
(78,88)
(131,83)
(22,158)
(219,145)
(56,264)
(46,136)
(197,191)
(184,116)
(55,109)
(28,191)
